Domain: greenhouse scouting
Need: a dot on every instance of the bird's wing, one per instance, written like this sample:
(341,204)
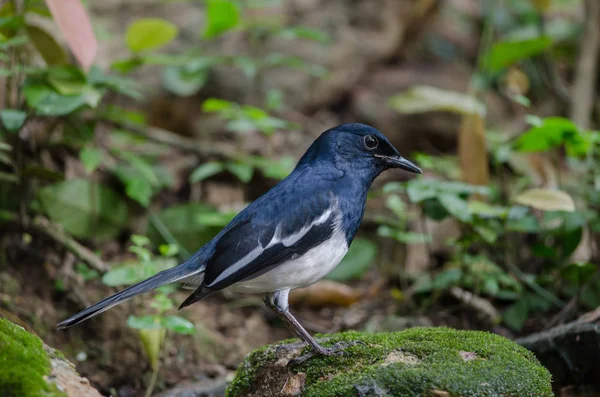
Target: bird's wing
(269,237)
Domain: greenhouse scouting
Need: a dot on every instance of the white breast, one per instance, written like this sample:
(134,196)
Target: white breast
(302,271)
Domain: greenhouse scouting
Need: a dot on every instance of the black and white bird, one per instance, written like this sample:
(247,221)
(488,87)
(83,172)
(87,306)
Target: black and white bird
(290,237)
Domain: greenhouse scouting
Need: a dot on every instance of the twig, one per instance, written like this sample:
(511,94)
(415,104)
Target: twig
(170,138)
(562,315)
(584,86)
(482,306)
(56,233)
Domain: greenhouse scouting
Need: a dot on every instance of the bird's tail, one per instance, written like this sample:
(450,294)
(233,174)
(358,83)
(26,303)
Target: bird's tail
(168,276)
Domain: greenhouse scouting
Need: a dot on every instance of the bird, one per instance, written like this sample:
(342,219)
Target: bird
(291,236)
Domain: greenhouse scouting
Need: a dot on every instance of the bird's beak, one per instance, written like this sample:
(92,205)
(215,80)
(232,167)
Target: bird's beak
(397,161)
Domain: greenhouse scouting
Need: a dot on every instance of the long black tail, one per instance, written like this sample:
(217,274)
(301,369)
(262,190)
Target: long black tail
(165,277)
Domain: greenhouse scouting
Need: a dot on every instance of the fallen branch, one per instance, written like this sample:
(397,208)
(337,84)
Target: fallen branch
(57,234)
(480,305)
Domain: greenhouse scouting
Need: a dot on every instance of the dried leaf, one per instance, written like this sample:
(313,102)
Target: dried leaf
(420,99)
(326,292)
(546,200)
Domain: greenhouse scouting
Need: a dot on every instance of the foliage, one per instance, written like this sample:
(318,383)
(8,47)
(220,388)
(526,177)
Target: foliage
(152,328)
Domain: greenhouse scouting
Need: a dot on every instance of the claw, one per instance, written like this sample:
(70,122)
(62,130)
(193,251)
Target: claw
(335,350)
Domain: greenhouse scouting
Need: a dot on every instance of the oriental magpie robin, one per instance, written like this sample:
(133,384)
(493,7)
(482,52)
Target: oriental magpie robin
(291,236)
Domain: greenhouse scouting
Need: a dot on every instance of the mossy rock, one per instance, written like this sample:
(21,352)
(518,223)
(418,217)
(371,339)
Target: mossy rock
(29,368)
(415,362)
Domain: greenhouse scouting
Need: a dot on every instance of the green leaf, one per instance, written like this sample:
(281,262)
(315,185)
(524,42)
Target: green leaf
(152,340)
(142,166)
(274,100)
(216,105)
(221,16)
(149,34)
(84,208)
(86,272)
(183,83)
(118,84)
(486,210)
(242,171)
(547,135)
(447,279)
(144,322)
(16,41)
(66,80)
(396,205)
(504,54)
(137,187)
(49,49)
(12,119)
(296,62)
(546,200)
(132,272)
(420,99)
(516,315)
(182,221)
(419,190)
(161,303)
(456,206)
(248,66)
(168,250)
(579,273)
(402,236)
(178,324)
(305,33)
(47,102)
(126,65)
(140,240)
(220,219)
(206,170)
(91,158)
(357,261)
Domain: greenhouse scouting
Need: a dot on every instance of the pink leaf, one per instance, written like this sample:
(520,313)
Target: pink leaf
(75,25)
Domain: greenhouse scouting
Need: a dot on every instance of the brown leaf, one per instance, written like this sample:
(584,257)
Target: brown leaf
(74,23)
(326,292)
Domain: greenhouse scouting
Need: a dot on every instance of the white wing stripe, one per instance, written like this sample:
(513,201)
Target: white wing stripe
(249,257)
(294,238)
(287,241)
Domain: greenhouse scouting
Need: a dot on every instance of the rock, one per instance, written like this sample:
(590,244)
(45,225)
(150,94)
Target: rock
(29,368)
(203,388)
(569,351)
(415,362)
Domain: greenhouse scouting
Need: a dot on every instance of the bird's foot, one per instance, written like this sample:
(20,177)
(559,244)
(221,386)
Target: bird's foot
(335,350)
(283,350)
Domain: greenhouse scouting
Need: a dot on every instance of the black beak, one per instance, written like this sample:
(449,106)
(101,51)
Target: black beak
(398,161)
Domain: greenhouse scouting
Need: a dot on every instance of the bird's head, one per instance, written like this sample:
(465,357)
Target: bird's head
(357,147)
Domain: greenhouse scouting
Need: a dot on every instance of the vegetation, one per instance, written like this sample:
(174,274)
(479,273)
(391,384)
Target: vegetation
(95,195)
(24,364)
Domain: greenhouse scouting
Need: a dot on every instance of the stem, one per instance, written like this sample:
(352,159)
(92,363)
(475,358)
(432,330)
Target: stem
(152,381)
(166,234)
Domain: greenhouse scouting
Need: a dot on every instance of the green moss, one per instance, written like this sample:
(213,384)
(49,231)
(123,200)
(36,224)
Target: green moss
(412,363)
(23,364)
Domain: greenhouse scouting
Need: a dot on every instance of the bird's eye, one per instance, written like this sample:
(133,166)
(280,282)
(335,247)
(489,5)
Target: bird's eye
(371,142)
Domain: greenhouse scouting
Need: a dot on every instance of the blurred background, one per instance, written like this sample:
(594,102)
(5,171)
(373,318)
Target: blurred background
(132,131)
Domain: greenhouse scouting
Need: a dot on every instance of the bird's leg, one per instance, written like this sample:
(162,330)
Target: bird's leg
(278,302)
